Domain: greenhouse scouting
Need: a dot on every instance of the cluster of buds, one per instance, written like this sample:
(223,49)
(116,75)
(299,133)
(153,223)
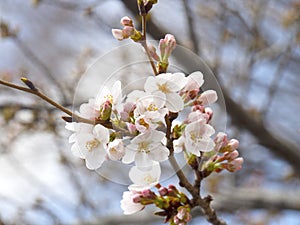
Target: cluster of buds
(166,47)
(128,30)
(226,157)
(174,204)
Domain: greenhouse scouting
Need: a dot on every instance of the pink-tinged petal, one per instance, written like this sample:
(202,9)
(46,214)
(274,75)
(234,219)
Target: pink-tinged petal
(101,133)
(95,158)
(142,161)
(118,34)
(174,102)
(194,81)
(159,154)
(130,152)
(209,130)
(208,97)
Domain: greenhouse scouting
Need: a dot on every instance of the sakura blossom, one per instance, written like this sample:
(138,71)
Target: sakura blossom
(168,84)
(146,148)
(130,203)
(93,146)
(144,179)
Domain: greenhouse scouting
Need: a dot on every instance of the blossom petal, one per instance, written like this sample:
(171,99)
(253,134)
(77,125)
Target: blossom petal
(142,161)
(101,133)
(95,158)
(144,179)
(176,82)
(130,152)
(161,153)
(174,102)
(150,84)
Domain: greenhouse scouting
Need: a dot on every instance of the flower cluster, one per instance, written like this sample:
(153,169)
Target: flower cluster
(138,128)
(174,205)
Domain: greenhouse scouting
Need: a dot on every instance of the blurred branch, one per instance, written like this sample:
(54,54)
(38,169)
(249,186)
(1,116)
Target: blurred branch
(247,198)
(283,148)
(35,60)
(190,23)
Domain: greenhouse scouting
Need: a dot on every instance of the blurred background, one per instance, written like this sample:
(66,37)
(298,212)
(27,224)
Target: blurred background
(252,47)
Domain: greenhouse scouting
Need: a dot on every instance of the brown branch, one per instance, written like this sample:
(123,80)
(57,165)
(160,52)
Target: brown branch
(74,116)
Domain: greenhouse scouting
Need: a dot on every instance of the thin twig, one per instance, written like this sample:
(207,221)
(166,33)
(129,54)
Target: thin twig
(145,46)
(74,116)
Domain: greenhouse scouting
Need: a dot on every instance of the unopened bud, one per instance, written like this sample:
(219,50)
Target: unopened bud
(28,83)
(163,191)
(232,155)
(105,111)
(128,31)
(233,144)
(152,51)
(126,21)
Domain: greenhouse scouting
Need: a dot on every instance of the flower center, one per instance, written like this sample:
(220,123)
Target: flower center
(195,137)
(149,179)
(143,147)
(163,88)
(152,107)
(91,145)
(109,98)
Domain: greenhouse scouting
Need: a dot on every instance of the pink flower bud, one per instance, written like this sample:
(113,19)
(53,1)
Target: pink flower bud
(166,46)
(235,164)
(118,34)
(163,191)
(131,128)
(128,31)
(152,51)
(126,21)
(209,112)
(232,155)
(233,144)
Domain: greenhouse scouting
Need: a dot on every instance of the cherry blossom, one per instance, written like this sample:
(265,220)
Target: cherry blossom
(168,84)
(115,150)
(146,148)
(144,179)
(130,204)
(93,146)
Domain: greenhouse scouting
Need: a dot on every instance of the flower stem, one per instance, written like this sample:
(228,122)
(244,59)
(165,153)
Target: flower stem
(145,46)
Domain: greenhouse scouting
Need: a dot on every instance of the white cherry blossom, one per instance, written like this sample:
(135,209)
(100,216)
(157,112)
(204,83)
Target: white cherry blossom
(169,84)
(115,150)
(144,179)
(198,137)
(146,148)
(113,95)
(93,146)
(128,205)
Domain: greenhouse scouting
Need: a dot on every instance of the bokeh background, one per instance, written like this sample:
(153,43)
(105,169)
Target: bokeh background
(252,47)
